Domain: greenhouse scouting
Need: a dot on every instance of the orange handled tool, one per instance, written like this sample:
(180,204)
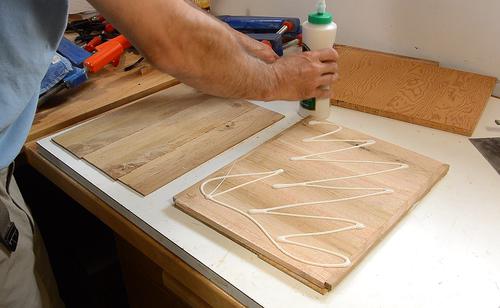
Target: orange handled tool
(108,52)
(93,43)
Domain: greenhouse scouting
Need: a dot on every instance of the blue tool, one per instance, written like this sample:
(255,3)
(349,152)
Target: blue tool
(74,53)
(57,79)
(272,30)
(75,77)
(263,24)
(66,70)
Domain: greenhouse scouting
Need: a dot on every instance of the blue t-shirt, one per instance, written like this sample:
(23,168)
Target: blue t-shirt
(30,31)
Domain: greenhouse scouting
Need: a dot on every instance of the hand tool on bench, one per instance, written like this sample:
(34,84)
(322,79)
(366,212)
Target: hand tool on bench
(273,31)
(108,52)
(65,71)
(102,39)
(264,24)
(61,76)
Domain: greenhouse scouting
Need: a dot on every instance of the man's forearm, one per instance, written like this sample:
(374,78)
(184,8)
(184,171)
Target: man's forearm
(192,46)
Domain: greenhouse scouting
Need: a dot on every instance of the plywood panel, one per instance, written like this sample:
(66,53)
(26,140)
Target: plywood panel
(166,168)
(411,90)
(151,142)
(342,48)
(125,121)
(315,199)
(109,89)
(198,115)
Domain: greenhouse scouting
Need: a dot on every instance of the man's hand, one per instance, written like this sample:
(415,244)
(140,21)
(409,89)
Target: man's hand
(305,75)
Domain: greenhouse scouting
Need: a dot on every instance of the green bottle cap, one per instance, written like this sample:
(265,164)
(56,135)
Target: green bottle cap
(320,18)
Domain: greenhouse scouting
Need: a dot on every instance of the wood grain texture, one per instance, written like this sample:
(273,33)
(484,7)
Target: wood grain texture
(342,48)
(411,90)
(121,123)
(151,142)
(378,213)
(170,166)
(106,90)
(201,114)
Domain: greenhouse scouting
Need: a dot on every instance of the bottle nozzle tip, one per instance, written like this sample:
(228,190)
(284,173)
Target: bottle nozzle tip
(321,7)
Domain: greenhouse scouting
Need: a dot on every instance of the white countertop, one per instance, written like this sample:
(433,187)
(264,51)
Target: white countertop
(445,253)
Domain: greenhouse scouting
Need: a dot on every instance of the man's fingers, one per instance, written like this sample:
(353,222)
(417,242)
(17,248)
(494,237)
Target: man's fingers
(329,68)
(328,55)
(327,79)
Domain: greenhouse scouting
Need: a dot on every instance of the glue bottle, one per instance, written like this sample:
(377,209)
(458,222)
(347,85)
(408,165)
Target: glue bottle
(318,33)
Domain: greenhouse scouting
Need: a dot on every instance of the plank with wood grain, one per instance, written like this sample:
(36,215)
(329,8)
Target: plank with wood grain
(127,120)
(168,167)
(202,113)
(379,214)
(341,48)
(106,90)
(411,90)
(152,141)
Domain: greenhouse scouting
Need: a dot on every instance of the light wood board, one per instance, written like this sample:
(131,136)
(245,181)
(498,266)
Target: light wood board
(342,48)
(153,141)
(378,213)
(415,91)
(106,90)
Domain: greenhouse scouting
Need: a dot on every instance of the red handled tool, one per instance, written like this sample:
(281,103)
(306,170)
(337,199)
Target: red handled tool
(93,43)
(286,27)
(108,52)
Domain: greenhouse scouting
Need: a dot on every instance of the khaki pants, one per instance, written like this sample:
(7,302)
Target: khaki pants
(26,278)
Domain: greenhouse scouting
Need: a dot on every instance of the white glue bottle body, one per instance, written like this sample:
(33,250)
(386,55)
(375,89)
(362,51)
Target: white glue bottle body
(318,32)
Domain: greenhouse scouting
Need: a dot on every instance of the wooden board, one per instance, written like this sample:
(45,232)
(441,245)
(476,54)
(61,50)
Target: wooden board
(411,90)
(153,141)
(342,48)
(381,183)
(110,88)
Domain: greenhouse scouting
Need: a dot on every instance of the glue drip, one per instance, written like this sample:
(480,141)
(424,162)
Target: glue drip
(317,157)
